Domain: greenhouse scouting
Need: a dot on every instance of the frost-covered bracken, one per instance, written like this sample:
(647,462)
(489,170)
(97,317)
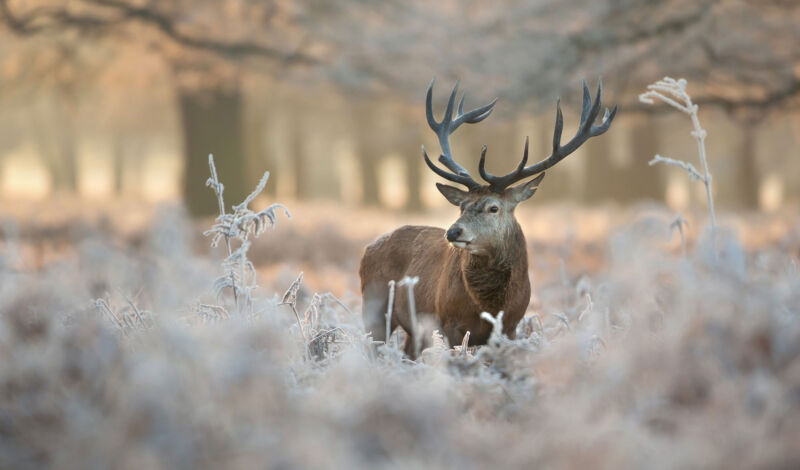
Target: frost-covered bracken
(652,360)
(649,359)
(673,92)
(240,225)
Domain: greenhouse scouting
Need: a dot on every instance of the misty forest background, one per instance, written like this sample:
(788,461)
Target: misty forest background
(126,98)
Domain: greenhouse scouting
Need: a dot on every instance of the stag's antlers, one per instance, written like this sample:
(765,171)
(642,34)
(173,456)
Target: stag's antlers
(586,130)
(447,126)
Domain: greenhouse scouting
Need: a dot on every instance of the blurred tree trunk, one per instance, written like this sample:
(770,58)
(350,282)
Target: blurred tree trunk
(298,152)
(137,169)
(62,163)
(368,152)
(747,181)
(135,155)
(212,123)
(258,155)
(641,180)
(56,142)
(412,156)
(118,165)
(556,185)
(65,176)
(601,172)
(368,163)
(631,182)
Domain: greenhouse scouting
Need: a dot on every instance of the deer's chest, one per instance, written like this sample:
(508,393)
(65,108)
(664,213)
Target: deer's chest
(460,306)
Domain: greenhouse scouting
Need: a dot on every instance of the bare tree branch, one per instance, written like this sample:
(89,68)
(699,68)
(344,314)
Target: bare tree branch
(116,12)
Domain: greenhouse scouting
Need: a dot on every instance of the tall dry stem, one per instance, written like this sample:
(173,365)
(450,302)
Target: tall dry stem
(409,283)
(673,92)
(241,224)
(389,312)
(214,183)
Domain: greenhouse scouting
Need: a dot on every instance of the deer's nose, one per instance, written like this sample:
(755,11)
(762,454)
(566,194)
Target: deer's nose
(454,233)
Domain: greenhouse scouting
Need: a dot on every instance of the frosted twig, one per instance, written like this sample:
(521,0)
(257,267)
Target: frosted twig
(595,341)
(290,299)
(678,225)
(312,314)
(214,183)
(259,187)
(694,175)
(136,311)
(213,312)
(240,275)
(562,270)
(673,93)
(538,320)
(589,308)
(563,319)
(465,343)
(389,312)
(497,336)
(337,301)
(409,283)
(104,307)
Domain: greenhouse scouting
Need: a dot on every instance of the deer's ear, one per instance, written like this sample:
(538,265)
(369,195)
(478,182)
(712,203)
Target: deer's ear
(452,194)
(526,190)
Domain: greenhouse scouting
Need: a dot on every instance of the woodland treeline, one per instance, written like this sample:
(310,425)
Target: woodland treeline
(325,93)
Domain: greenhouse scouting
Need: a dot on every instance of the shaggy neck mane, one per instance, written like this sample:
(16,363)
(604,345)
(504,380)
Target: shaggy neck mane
(488,277)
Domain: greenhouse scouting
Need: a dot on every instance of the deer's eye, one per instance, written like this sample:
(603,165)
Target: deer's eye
(494,209)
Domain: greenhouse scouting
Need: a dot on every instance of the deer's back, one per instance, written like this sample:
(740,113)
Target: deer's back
(389,257)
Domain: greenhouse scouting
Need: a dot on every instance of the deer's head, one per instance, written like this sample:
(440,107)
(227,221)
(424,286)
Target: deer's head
(487,211)
(486,217)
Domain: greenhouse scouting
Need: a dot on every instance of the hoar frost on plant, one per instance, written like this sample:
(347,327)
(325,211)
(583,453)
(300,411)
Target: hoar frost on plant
(240,225)
(673,92)
(652,361)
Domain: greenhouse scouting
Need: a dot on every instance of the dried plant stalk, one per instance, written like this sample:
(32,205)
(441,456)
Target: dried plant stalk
(290,299)
(409,283)
(240,274)
(673,92)
(389,312)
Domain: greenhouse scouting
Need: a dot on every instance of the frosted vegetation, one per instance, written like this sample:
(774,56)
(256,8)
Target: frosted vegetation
(673,92)
(658,361)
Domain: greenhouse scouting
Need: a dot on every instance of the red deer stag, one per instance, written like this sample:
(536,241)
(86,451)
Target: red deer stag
(480,264)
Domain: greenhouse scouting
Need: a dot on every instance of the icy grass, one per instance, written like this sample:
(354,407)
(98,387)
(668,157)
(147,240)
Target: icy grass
(659,362)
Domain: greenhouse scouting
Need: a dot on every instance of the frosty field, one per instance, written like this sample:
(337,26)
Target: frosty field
(630,355)
(165,306)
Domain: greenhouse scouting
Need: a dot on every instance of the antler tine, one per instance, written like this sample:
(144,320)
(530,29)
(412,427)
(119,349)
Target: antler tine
(559,127)
(447,126)
(456,178)
(499,183)
(586,130)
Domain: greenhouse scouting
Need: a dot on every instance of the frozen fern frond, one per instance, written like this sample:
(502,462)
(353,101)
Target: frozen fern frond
(242,272)
(240,225)
(243,222)
(290,297)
